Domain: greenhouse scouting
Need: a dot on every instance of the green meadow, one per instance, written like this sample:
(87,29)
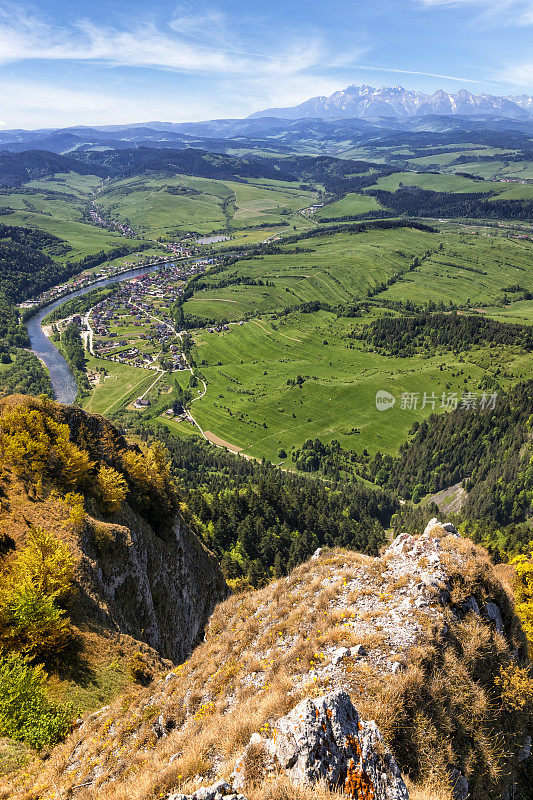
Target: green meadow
(343,267)
(519,312)
(84,239)
(121,385)
(156,206)
(338,268)
(442,182)
(473,269)
(68,183)
(350,204)
(252,400)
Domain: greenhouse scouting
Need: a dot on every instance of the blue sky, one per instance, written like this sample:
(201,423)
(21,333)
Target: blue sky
(105,61)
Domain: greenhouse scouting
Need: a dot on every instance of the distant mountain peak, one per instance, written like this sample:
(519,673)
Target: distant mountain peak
(369,102)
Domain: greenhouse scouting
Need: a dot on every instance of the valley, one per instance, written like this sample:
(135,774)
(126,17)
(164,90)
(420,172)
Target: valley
(287,288)
(242,378)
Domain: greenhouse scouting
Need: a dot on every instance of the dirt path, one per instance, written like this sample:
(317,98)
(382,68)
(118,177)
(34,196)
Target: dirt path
(271,333)
(159,375)
(218,299)
(214,439)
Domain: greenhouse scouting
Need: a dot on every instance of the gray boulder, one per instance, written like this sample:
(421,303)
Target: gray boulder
(492,610)
(218,790)
(326,739)
(459,785)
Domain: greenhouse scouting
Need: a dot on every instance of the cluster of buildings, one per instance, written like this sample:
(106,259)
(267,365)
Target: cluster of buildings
(220,328)
(509,180)
(145,301)
(97,218)
(179,250)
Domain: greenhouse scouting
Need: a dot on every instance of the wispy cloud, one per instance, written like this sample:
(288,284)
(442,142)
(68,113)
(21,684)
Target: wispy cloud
(510,12)
(210,24)
(395,71)
(518,74)
(24,36)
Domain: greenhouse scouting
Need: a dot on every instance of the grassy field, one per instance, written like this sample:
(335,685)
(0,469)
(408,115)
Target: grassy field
(69,183)
(437,183)
(153,206)
(500,169)
(84,239)
(339,268)
(122,384)
(343,267)
(443,159)
(251,402)
(473,267)
(521,312)
(351,203)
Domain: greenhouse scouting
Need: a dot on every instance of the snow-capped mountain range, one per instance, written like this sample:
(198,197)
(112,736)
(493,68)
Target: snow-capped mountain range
(367,102)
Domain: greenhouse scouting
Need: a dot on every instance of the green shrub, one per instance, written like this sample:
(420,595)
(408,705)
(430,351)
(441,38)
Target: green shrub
(103,536)
(31,623)
(26,714)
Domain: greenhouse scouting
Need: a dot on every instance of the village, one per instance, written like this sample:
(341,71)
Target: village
(111,270)
(135,325)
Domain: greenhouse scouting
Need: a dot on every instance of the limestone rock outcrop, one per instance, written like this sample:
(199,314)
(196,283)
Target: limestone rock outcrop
(325,739)
(160,591)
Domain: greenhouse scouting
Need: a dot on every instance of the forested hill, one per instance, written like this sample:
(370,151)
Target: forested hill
(490,450)
(427,333)
(337,174)
(260,521)
(18,168)
(187,162)
(24,268)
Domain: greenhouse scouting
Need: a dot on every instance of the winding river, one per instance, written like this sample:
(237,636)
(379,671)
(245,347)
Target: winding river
(63,382)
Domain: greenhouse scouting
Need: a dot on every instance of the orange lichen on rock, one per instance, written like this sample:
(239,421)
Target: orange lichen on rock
(358,784)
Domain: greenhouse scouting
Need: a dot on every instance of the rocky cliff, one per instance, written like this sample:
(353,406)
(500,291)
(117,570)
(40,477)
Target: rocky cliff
(403,675)
(140,571)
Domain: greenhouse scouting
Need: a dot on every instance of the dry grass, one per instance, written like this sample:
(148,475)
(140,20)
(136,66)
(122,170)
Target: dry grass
(265,651)
(431,790)
(278,787)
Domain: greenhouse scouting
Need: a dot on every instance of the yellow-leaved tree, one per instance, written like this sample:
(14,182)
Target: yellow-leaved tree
(524,594)
(111,488)
(37,447)
(151,488)
(31,621)
(46,563)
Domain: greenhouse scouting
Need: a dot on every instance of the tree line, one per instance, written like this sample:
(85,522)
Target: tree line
(260,521)
(406,335)
(417,202)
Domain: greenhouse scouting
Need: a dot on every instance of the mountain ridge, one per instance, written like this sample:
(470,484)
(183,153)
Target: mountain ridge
(419,638)
(368,102)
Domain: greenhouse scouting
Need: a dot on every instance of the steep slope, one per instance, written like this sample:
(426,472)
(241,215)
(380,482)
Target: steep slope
(139,570)
(424,639)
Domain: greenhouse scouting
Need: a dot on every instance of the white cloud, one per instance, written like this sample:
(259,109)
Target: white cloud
(29,104)
(24,37)
(511,12)
(518,75)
